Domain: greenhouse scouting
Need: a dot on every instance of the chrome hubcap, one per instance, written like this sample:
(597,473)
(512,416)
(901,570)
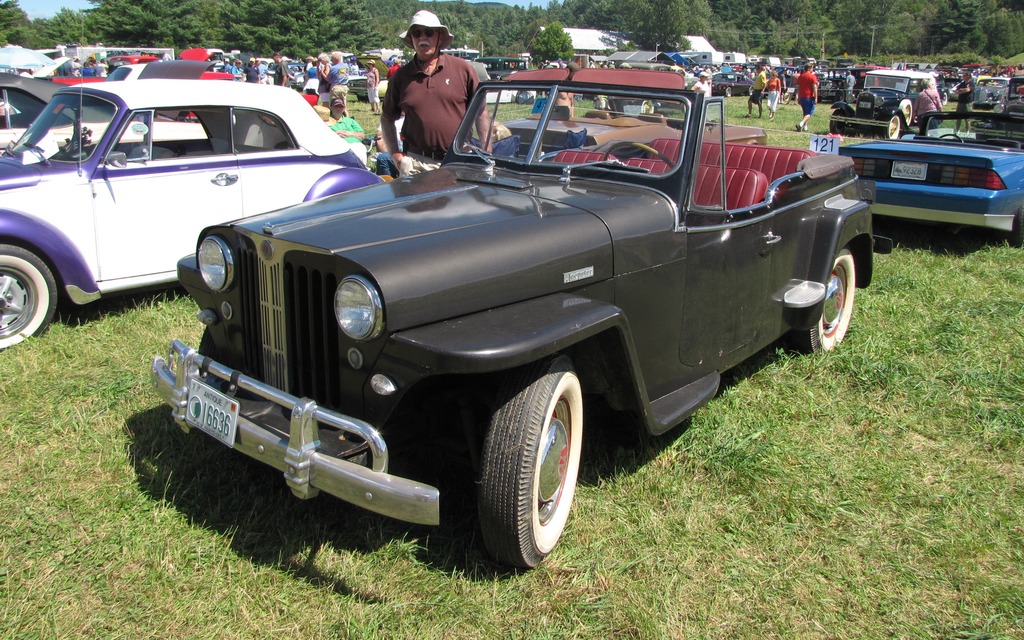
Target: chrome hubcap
(15,304)
(835,298)
(554,462)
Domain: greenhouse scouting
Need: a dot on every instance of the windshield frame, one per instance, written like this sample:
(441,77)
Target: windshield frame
(626,105)
(42,138)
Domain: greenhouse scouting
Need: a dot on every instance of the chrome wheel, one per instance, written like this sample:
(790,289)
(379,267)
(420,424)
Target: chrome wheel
(837,309)
(530,462)
(27,295)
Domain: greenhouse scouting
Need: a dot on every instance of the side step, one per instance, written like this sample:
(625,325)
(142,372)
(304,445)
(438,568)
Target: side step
(672,408)
(801,294)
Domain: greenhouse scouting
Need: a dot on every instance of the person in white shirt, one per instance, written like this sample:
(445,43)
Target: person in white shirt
(703,83)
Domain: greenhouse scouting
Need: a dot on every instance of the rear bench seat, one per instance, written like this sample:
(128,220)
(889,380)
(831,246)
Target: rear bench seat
(773,162)
(744,187)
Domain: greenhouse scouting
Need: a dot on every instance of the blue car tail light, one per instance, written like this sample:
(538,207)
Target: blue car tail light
(971,177)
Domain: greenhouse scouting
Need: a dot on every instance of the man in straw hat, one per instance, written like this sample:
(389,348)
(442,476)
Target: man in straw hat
(432,91)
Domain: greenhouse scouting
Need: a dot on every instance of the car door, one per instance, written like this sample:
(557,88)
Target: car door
(727,270)
(275,171)
(164,179)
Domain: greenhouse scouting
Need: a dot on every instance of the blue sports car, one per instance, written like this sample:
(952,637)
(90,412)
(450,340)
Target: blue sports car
(958,169)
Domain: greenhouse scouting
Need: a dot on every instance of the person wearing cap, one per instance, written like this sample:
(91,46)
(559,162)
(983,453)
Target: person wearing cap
(703,83)
(347,129)
(281,78)
(432,91)
(252,71)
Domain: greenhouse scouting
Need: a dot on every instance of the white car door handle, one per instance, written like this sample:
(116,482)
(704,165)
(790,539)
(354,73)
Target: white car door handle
(224,180)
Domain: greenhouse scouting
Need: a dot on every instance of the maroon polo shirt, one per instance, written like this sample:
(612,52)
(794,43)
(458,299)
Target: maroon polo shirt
(433,105)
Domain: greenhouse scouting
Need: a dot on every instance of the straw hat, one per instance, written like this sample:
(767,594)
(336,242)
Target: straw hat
(325,114)
(431,21)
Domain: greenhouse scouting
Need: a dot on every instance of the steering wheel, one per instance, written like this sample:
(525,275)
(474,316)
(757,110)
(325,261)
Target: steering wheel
(639,145)
(951,135)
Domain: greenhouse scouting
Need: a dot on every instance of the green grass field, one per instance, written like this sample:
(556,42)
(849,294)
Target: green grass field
(876,492)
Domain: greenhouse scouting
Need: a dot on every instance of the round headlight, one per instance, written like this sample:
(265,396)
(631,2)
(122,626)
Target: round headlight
(216,263)
(358,309)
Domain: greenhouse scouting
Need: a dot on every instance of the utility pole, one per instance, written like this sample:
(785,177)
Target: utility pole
(873,27)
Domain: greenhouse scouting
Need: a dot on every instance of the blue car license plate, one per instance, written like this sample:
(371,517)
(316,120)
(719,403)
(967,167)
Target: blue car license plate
(211,411)
(909,170)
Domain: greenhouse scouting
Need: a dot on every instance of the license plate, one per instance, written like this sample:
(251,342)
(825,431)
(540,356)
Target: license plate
(910,170)
(211,411)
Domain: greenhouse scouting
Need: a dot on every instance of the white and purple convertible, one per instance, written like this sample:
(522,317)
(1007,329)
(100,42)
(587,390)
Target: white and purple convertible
(112,183)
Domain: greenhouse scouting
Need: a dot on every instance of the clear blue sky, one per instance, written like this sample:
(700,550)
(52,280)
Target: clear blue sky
(47,8)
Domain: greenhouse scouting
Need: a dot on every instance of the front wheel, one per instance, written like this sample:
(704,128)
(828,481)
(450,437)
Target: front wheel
(530,462)
(840,290)
(836,126)
(728,92)
(28,295)
(894,128)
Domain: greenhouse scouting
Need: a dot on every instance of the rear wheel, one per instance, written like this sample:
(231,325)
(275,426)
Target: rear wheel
(840,289)
(28,295)
(530,462)
(1016,237)
(894,128)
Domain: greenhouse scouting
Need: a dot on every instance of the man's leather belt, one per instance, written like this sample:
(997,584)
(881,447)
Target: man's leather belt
(433,155)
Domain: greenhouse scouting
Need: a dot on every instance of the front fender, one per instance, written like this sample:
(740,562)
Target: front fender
(509,336)
(341,180)
(55,248)
(844,108)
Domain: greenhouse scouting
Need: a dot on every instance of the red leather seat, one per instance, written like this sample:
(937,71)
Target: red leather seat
(668,147)
(773,162)
(653,166)
(574,156)
(743,187)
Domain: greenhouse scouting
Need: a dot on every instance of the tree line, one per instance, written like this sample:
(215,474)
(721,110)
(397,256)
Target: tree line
(960,30)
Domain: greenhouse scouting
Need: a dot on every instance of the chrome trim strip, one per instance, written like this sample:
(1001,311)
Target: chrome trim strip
(305,468)
(80,297)
(986,220)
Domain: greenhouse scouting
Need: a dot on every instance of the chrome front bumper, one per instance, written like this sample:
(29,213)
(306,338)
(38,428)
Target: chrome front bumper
(307,469)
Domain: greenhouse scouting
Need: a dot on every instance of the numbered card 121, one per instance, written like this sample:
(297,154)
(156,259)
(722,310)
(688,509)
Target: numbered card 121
(825,144)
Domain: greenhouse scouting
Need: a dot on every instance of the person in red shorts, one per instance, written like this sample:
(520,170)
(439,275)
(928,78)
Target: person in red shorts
(432,91)
(807,92)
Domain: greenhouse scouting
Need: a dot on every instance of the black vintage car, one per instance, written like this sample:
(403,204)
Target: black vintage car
(625,252)
(1013,99)
(885,104)
(833,85)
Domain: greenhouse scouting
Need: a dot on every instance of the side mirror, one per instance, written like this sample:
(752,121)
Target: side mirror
(117,159)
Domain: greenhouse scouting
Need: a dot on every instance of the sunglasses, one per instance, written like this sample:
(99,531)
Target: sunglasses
(428,32)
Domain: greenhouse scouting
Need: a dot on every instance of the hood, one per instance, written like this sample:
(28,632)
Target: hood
(15,175)
(439,247)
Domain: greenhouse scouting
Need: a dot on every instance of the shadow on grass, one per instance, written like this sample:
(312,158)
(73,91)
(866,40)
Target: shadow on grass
(74,315)
(250,504)
(941,239)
